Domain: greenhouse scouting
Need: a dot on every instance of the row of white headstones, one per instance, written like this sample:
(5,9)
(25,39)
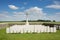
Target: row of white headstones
(30,29)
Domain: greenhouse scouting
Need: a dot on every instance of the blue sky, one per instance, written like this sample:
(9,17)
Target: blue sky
(14,10)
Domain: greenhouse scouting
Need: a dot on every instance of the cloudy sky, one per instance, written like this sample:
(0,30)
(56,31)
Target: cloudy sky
(15,10)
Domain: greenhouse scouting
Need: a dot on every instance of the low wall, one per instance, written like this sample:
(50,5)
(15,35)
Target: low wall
(3,25)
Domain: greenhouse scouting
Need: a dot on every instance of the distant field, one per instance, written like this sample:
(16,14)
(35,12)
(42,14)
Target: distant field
(40,36)
(32,22)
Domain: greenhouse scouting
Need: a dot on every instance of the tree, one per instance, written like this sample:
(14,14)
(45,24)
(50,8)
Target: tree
(54,21)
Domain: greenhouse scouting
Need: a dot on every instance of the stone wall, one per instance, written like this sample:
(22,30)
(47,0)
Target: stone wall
(3,25)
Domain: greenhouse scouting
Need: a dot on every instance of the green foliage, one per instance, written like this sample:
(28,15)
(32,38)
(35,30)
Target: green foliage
(29,36)
(37,20)
(44,20)
(54,21)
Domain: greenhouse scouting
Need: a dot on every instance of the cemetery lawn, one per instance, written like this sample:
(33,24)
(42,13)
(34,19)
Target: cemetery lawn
(40,36)
(32,22)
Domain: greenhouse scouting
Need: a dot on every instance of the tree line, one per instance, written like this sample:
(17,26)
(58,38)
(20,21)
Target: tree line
(39,21)
(30,21)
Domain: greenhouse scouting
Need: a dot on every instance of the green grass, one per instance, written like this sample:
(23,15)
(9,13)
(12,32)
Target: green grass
(40,36)
(32,23)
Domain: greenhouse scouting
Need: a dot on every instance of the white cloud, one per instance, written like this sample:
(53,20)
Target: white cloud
(58,13)
(34,14)
(18,13)
(34,10)
(55,16)
(53,6)
(13,7)
(6,17)
(56,2)
(56,5)
(3,16)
